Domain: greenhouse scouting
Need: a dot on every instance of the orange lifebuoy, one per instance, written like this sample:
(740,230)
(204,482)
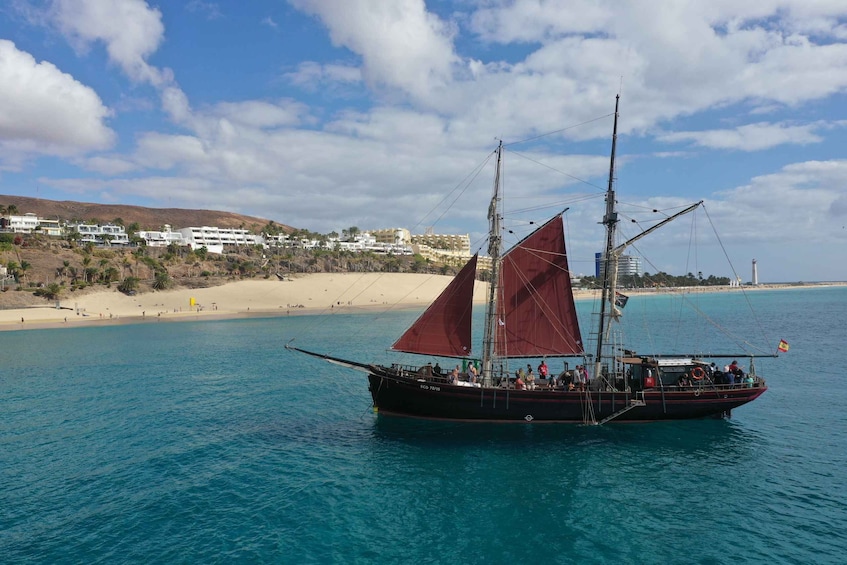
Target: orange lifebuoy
(697,373)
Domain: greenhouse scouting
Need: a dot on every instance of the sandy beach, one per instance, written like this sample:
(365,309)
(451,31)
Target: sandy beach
(320,293)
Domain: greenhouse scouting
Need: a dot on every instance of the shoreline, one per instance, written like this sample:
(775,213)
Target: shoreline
(314,294)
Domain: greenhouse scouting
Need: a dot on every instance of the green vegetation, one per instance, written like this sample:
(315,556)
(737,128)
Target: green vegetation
(129,285)
(162,281)
(659,280)
(50,292)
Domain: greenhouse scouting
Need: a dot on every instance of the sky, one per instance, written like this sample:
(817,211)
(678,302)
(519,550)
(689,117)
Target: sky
(328,114)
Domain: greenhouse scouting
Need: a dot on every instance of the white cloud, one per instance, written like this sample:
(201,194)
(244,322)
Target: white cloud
(751,137)
(259,114)
(401,44)
(130,30)
(671,59)
(159,151)
(210,9)
(805,198)
(176,106)
(45,111)
(537,20)
(109,164)
(311,75)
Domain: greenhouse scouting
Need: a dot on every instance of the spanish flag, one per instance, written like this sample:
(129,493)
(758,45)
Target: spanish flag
(783,345)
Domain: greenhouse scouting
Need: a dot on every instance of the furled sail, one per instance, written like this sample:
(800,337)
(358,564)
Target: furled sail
(536,313)
(445,327)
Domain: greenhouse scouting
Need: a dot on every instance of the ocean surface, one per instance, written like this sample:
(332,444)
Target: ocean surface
(208,442)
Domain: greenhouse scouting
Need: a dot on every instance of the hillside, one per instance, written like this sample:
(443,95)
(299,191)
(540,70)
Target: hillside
(147,218)
(37,262)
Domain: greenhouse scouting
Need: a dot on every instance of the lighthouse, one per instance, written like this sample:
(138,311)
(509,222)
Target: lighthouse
(755,274)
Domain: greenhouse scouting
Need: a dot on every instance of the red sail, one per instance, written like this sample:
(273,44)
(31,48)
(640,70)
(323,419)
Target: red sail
(445,327)
(536,313)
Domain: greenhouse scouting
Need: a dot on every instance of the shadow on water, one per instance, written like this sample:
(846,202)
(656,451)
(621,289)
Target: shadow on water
(692,438)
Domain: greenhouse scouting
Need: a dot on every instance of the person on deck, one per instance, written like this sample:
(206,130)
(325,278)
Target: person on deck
(530,377)
(437,368)
(577,377)
(454,376)
(472,373)
(519,384)
(736,370)
(584,376)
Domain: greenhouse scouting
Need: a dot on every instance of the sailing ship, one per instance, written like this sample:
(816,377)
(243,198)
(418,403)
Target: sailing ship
(531,314)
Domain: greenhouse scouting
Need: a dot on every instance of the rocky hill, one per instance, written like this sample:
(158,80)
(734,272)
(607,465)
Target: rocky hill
(147,218)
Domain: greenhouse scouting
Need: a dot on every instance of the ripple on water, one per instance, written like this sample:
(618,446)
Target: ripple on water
(208,443)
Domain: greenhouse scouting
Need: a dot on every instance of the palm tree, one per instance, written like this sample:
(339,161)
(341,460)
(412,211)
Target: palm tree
(111,274)
(91,273)
(25,265)
(128,285)
(12,210)
(103,263)
(124,266)
(86,261)
(138,253)
(162,281)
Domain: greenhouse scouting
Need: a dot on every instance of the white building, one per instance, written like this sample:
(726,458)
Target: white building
(162,238)
(367,242)
(108,234)
(214,239)
(23,224)
(279,240)
(628,265)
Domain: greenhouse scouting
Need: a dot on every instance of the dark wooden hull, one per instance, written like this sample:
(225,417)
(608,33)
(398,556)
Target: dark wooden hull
(408,396)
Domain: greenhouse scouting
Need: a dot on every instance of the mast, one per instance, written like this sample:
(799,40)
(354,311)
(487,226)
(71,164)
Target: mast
(494,248)
(610,220)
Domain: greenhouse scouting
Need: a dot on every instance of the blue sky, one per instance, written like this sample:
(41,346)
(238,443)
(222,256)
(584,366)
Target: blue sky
(326,114)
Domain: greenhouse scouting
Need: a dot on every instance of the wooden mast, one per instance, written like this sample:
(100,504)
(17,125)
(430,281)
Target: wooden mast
(610,220)
(494,249)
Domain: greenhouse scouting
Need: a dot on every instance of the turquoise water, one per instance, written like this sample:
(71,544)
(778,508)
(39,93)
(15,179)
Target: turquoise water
(208,442)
